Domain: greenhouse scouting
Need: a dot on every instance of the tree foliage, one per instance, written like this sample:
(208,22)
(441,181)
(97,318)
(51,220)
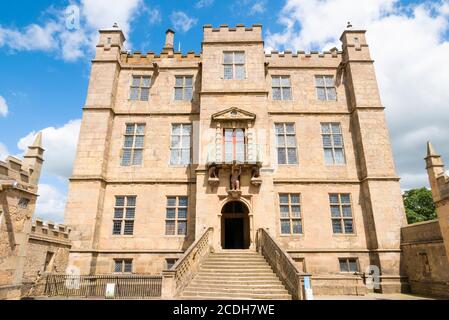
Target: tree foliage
(419,205)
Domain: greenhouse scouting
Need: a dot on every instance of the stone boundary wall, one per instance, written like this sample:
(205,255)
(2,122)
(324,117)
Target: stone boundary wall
(425,260)
(48,252)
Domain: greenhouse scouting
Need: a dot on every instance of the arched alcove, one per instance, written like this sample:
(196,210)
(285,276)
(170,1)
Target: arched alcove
(235,228)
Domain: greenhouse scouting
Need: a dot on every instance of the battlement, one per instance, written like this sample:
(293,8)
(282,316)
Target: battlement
(13,169)
(49,231)
(239,33)
(150,58)
(313,59)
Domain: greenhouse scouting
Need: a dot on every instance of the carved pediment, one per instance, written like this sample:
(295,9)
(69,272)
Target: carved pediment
(234,114)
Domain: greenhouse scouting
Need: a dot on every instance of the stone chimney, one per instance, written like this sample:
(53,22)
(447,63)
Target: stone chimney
(169,41)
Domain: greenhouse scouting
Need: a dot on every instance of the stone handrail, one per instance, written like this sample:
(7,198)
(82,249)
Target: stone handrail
(282,264)
(179,276)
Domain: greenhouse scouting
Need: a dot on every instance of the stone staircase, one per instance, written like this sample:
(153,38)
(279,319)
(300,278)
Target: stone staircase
(235,274)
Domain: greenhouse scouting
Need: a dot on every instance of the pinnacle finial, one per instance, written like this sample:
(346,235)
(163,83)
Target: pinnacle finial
(38,140)
(349,26)
(115,26)
(431,150)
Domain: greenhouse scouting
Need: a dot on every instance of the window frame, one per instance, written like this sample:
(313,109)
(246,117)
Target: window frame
(180,149)
(347,261)
(140,87)
(291,217)
(281,87)
(174,260)
(233,65)
(124,218)
(333,148)
(133,148)
(235,143)
(176,219)
(341,218)
(286,147)
(183,87)
(325,87)
(122,262)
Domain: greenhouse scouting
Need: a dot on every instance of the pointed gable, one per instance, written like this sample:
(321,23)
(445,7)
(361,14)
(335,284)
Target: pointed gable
(234,114)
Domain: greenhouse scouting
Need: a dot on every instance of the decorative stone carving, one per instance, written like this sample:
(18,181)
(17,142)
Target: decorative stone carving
(236,172)
(213,173)
(234,114)
(256,180)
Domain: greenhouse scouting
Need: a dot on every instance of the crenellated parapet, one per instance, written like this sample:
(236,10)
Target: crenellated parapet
(50,232)
(239,33)
(302,59)
(15,173)
(151,59)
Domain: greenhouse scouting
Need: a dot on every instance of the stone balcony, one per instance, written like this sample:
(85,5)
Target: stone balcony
(251,155)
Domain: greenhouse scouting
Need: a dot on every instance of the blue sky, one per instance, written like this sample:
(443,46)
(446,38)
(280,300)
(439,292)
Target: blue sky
(45,67)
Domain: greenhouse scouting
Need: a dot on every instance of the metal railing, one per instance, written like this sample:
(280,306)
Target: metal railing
(252,153)
(282,264)
(180,275)
(126,286)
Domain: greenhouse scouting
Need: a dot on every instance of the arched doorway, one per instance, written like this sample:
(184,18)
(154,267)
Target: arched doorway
(235,230)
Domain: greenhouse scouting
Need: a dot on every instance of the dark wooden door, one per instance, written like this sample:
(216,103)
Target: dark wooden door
(234,234)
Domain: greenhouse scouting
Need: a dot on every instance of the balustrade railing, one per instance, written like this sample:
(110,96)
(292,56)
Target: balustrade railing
(250,153)
(282,264)
(180,275)
(126,286)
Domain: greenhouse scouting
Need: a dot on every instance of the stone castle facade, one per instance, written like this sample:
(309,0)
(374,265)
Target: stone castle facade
(18,194)
(425,245)
(236,139)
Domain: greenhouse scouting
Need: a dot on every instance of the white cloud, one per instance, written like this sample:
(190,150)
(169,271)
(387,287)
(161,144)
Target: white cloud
(258,8)
(3,107)
(204,3)
(50,204)
(410,46)
(3,151)
(154,15)
(182,22)
(60,148)
(53,35)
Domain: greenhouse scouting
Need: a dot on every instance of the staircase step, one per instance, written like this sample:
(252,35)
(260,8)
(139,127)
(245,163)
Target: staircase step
(235,274)
(242,282)
(240,291)
(208,277)
(239,267)
(261,286)
(224,295)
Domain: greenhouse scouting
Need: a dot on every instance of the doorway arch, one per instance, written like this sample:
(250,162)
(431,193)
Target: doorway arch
(235,226)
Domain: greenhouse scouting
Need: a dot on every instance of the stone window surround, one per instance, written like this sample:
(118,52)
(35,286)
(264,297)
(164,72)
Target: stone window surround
(326,87)
(281,86)
(286,147)
(176,219)
(183,87)
(125,218)
(342,218)
(134,148)
(333,147)
(180,148)
(291,218)
(140,87)
(170,262)
(234,64)
(122,262)
(347,261)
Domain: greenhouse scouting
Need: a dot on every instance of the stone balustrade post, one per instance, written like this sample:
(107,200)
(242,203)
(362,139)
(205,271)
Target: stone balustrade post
(168,284)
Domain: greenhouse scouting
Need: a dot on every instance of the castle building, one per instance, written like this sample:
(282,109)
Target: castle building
(18,194)
(237,140)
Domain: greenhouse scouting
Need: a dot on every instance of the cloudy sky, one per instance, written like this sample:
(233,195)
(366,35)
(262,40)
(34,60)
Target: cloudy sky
(45,60)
